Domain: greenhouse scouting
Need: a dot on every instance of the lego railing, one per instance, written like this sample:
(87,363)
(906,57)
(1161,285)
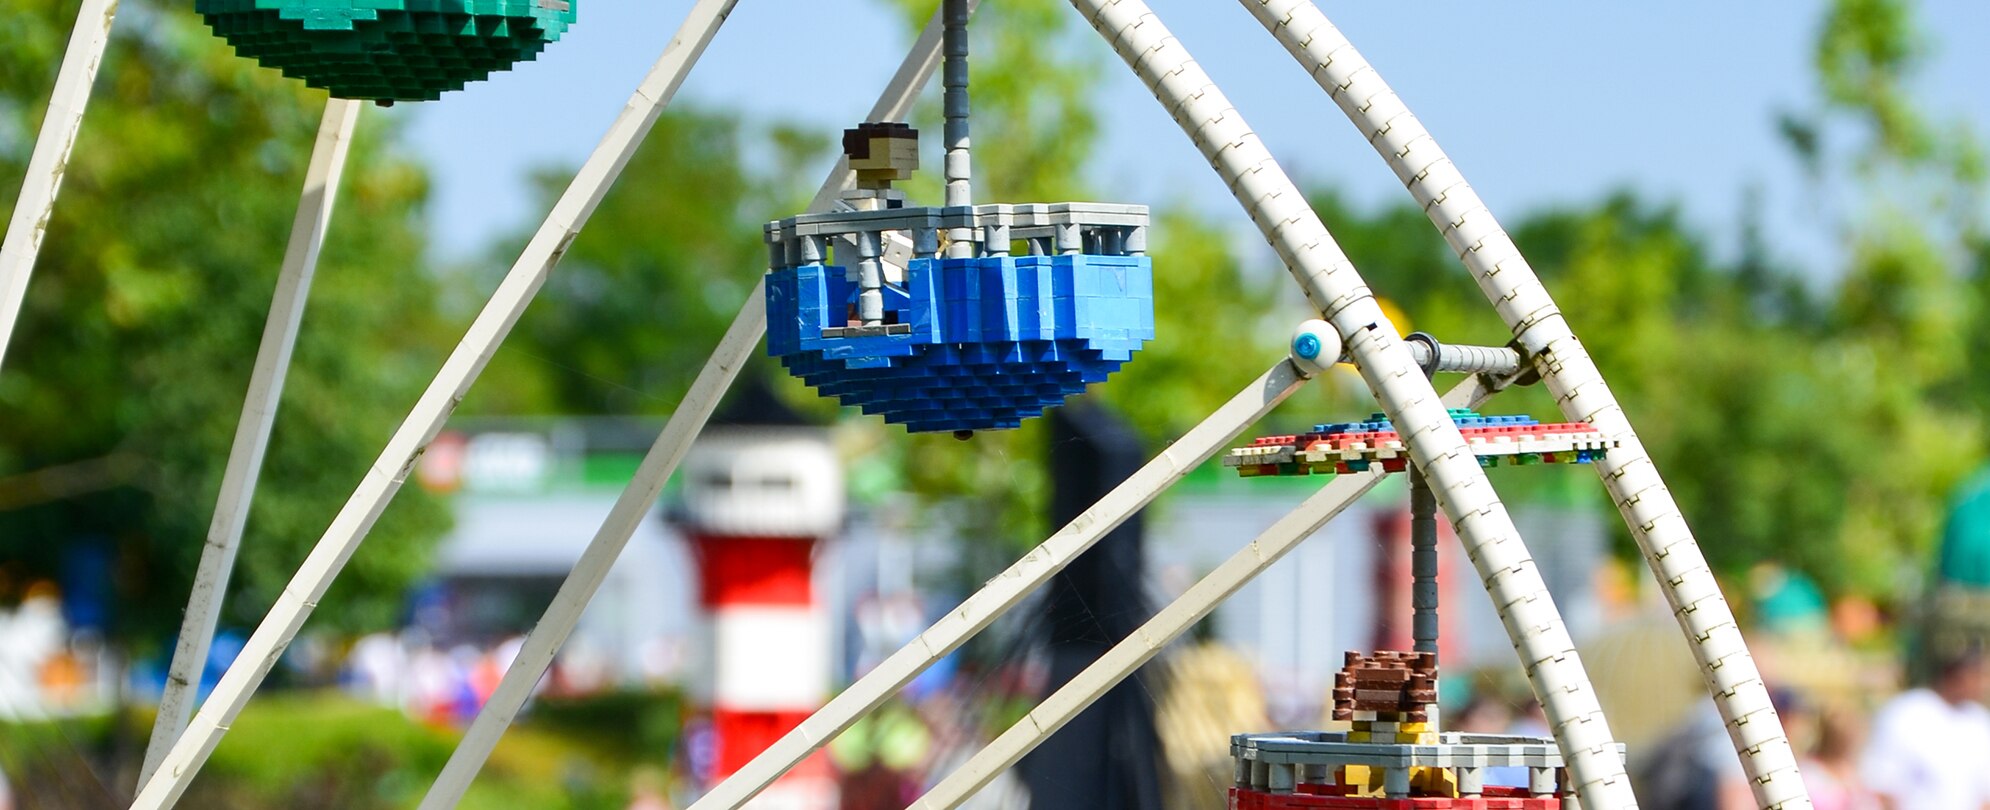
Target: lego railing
(1280,761)
(1098,229)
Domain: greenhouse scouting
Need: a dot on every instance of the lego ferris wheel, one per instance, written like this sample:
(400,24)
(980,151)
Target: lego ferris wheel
(961,317)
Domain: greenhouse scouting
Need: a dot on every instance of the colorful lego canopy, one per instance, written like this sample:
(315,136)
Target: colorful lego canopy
(1348,447)
(388,50)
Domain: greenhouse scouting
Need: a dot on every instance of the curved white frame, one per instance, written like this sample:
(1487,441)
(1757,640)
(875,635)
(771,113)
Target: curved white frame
(1538,326)
(1547,654)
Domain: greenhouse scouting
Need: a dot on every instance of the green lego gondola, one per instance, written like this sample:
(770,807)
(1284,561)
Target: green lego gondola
(388,50)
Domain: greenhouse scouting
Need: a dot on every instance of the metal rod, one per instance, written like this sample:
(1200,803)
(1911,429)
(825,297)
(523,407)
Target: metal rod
(913,73)
(870,279)
(252,431)
(657,466)
(1423,564)
(391,470)
(1423,528)
(1009,588)
(1143,644)
(1456,359)
(1507,280)
(50,159)
(1336,289)
(957,166)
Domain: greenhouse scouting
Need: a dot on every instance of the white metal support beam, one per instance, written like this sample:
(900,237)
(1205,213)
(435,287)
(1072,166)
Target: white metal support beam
(563,615)
(1008,589)
(245,457)
(1565,366)
(635,503)
(397,460)
(1332,284)
(1120,662)
(51,158)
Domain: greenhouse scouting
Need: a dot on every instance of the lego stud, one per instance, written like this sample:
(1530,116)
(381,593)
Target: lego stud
(1315,346)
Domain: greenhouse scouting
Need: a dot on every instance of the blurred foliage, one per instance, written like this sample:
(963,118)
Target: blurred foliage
(126,375)
(358,756)
(641,298)
(1800,418)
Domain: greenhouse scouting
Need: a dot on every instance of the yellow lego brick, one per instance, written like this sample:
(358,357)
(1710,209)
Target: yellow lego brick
(1362,780)
(1427,781)
(1366,782)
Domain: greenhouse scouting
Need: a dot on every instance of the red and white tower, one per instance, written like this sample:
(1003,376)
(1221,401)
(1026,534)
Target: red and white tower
(756,503)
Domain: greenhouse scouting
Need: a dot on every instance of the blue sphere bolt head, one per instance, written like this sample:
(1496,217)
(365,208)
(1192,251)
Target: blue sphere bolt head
(1316,346)
(1307,346)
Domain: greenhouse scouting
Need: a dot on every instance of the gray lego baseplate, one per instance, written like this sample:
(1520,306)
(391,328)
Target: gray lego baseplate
(1453,750)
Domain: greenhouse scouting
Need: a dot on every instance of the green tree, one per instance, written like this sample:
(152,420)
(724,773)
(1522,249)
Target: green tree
(1900,325)
(120,397)
(640,300)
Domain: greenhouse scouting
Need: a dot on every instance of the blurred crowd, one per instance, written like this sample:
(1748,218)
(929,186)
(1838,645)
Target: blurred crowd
(48,668)
(448,684)
(1862,743)
(1925,747)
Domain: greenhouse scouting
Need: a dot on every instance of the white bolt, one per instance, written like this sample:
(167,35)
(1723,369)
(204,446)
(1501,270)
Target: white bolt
(1315,346)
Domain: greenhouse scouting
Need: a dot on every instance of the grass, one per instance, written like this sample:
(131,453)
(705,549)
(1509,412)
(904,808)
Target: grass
(311,750)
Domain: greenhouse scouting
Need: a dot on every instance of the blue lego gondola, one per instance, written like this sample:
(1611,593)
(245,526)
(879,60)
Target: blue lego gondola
(964,343)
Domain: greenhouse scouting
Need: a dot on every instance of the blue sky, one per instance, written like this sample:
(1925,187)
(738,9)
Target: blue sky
(1539,103)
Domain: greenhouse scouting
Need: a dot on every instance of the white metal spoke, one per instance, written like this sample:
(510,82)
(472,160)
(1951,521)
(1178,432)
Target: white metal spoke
(1523,302)
(1169,623)
(245,457)
(1009,588)
(391,470)
(51,158)
(588,573)
(561,617)
(1146,642)
(1330,281)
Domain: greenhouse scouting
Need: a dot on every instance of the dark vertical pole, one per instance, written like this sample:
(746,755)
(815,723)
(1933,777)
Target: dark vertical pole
(1423,564)
(1108,758)
(1423,543)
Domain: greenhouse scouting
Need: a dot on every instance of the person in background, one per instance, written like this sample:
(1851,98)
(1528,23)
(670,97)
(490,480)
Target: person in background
(1930,746)
(6,793)
(1484,714)
(1694,766)
(1831,770)
(646,790)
